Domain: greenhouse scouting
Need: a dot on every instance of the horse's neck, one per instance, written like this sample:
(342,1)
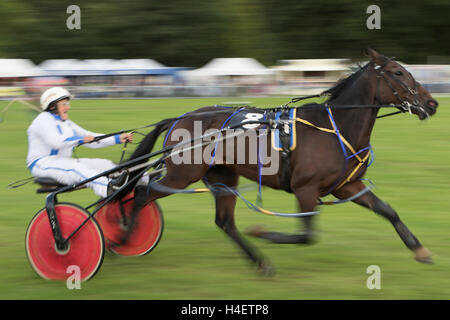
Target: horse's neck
(356,124)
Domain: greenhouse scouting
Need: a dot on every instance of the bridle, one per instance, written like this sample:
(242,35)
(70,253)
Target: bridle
(405,105)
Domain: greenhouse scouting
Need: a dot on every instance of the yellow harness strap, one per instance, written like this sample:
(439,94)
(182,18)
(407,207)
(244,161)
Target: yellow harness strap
(347,144)
(361,162)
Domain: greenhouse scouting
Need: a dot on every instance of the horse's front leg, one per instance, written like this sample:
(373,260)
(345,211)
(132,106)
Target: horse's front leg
(307,199)
(371,201)
(225,207)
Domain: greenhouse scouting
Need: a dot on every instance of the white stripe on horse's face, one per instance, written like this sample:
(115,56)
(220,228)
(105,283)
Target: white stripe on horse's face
(63,108)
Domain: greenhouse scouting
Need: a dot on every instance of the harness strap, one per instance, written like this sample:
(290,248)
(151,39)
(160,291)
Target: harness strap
(333,131)
(342,140)
(360,164)
(285,137)
(353,197)
(220,188)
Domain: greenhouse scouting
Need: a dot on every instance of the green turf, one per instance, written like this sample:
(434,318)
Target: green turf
(195,260)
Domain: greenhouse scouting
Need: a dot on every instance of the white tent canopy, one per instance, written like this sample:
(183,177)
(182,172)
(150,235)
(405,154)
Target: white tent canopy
(62,66)
(135,66)
(230,67)
(313,65)
(140,64)
(11,68)
(100,66)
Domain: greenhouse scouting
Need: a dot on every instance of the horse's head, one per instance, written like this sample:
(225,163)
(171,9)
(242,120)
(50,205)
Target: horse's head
(395,85)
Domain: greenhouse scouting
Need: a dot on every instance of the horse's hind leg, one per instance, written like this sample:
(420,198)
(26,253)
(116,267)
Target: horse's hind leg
(307,200)
(225,206)
(371,201)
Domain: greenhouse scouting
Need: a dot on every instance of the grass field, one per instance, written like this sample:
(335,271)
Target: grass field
(195,260)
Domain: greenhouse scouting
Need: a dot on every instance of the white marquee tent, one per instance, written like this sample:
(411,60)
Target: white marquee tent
(17,68)
(62,66)
(315,69)
(314,65)
(223,67)
(73,67)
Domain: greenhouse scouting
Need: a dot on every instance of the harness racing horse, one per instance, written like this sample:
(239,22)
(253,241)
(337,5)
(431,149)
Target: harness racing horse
(318,165)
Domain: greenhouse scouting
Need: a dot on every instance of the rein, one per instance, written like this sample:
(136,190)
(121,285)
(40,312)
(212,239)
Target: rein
(187,115)
(404,106)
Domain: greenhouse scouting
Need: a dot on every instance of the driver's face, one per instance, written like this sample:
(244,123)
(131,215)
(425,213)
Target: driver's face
(63,108)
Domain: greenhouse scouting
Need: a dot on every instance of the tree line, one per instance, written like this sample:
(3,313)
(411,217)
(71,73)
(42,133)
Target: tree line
(192,32)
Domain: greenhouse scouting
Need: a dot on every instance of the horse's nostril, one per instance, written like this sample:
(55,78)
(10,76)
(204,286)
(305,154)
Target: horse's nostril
(432,103)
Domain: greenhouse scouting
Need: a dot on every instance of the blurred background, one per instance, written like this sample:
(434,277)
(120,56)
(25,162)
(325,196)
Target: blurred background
(190,54)
(176,48)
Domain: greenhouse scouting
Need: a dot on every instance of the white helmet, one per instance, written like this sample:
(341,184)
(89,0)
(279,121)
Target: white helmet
(54,94)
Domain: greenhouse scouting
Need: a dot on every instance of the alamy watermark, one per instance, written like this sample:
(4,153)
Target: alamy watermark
(73,22)
(214,147)
(74,280)
(374,20)
(374,280)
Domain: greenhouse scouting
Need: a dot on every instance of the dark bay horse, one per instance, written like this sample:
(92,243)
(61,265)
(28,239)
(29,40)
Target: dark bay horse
(317,162)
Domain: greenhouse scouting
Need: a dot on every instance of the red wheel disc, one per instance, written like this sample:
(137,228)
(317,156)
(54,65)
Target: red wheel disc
(147,230)
(86,247)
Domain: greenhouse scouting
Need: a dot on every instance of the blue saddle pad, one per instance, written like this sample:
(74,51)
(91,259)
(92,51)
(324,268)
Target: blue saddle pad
(288,129)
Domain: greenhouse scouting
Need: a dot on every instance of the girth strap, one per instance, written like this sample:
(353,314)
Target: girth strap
(285,170)
(284,173)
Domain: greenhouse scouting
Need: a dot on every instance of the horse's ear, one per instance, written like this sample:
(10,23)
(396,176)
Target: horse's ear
(375,56)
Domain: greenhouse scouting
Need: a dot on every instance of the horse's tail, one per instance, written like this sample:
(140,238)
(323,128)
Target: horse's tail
(148,143)
(145,147)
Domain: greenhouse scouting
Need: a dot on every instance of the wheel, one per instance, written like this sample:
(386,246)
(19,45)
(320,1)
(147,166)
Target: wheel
(86,248)
(147,229)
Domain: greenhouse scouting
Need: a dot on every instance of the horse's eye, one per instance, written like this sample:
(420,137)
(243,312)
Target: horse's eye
(398,73)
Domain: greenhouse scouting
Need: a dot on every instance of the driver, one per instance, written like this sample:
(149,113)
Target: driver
(52,138)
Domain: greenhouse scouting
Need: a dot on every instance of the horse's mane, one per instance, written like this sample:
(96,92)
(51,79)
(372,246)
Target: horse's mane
(343,84)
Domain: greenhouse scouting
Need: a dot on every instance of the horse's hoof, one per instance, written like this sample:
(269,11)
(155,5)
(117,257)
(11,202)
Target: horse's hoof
(423,255)
(255,231)
(266,269)
(310,238)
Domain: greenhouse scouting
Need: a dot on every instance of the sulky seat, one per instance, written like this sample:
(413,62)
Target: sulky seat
(49,185)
